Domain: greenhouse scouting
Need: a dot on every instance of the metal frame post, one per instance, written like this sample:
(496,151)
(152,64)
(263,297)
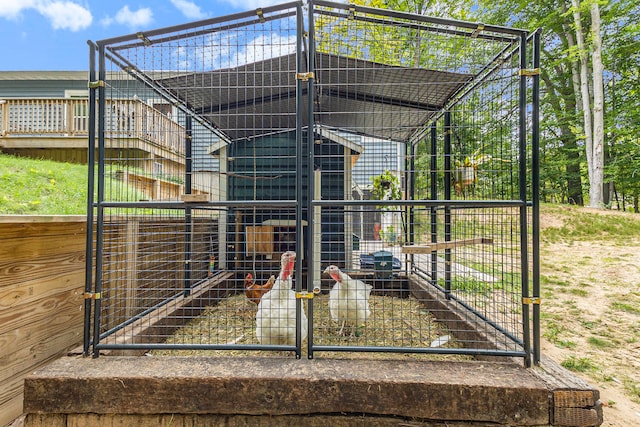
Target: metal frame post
(434,196)
(91,153)
(311,207)
(447,196)
(535,187)
(100,196)
(188,140)
(522,186)
(308,243)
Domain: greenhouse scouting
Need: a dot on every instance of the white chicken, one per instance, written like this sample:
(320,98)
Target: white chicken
(276,316)
(348,299)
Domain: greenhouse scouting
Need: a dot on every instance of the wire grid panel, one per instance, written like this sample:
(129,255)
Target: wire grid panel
(396,87)
(198,178)
(221,153)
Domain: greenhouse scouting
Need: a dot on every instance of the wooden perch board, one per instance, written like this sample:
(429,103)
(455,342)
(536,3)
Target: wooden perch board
(195,198)
(433,247)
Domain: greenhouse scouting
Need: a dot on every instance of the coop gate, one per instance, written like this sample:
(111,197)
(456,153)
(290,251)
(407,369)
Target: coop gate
(398,147)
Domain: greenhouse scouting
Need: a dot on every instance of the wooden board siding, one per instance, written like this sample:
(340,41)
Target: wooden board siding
(42,264)
(411,391)
(41,83)
(265,169)
(42,275)
(273,158)
(144,262)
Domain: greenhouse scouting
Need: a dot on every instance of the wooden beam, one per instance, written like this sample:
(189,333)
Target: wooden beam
(433,247)
(195,198)
(131,241)
(140,330)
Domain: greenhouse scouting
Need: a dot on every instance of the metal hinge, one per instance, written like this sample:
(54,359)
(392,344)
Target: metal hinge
(305,76)
(260,14)
(145,39)
(96,84)
(531,300)
(352,13)
(92,295)
(477,31)
(528,72)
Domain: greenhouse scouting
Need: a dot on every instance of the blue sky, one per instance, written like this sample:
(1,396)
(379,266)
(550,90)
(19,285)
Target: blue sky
(52,34)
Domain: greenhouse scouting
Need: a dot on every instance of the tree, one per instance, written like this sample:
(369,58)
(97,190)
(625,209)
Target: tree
(593,124)
(622,113)
(574,43)
(583,96)
(579,54)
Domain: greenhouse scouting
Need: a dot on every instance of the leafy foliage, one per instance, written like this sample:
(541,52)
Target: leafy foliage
(386,186)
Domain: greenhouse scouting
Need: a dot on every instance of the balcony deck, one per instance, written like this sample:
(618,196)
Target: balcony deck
(63,123)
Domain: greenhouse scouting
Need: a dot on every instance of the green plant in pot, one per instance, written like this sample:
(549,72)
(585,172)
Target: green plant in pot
(466,171)
(386,186)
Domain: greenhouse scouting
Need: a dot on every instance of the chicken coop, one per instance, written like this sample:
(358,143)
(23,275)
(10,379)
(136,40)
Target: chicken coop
(399,148)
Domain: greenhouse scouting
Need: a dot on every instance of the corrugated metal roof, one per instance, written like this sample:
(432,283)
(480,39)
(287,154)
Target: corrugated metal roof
(354,95)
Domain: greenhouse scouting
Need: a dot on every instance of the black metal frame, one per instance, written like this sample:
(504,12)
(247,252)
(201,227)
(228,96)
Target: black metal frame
(530,341)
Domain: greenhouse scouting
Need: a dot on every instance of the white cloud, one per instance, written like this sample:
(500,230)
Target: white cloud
(63,14)
(11,8)
(138,19)
(189,9)
(231,50)
(106,21)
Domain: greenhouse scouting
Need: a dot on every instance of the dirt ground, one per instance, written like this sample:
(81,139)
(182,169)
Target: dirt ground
(591,316)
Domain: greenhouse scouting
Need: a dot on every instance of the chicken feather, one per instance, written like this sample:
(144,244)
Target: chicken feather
(348,299)
(254,291)
(276,316)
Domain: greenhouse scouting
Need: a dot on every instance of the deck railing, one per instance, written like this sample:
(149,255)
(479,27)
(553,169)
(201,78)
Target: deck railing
(70,117)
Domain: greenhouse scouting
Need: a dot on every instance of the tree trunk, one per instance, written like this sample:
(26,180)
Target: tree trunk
(574,183)
(556,93)
(584,90)
(596,188)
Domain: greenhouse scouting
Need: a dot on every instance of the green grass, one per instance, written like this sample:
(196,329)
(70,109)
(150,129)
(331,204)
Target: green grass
(633,389)
(629,308)
(598,342)
(585,225)
(44,187)
(579,292)
(552,331)
(471,285)
(41,187)
(578,364)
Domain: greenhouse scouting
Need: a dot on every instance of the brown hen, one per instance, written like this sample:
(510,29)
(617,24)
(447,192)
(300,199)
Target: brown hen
(254,291)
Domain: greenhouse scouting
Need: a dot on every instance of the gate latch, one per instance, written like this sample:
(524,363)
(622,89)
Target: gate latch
(308,295)
(92,295)
(305,76)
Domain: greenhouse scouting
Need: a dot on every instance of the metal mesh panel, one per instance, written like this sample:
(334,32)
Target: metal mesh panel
(387,145)
(444,277)
(189,203)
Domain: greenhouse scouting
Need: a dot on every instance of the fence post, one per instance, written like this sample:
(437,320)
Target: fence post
(4,117)
(69,122)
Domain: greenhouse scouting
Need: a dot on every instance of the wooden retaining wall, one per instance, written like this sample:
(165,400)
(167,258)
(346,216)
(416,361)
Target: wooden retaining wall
(42,279)
(42,274)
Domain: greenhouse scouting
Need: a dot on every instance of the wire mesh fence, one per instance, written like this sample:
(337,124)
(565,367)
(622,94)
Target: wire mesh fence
(352,180)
